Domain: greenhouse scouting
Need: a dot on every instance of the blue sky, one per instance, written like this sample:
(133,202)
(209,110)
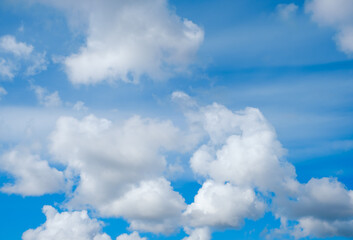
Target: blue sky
(190,120)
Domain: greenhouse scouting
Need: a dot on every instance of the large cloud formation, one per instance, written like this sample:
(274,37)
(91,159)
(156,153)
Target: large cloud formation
(117,169)
(129,39)
(337,14)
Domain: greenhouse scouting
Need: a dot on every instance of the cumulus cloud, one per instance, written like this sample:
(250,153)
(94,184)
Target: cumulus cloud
(242,159)
(118,165)
(45,98)
(66,225)
(337,14)
(19,55)
(129,39)
(243,149)
(117,169)
(33,176)
(198,234)
(132,236)
(323,208)
(223,206)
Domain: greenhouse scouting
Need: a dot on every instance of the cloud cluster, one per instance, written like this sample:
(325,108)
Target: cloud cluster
(337,14)
(15,55)
(244,167)
(117,169)
(129,39)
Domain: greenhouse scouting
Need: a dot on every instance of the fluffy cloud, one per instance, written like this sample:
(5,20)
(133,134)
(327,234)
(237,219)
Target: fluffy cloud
(337,14)
(132,236)
(243,149)
(323,208)
(45,98)
(119,168)
(242,157)
(17,55)
(198,234)
(130,39)
(33,176)
(66,225)
(223,206)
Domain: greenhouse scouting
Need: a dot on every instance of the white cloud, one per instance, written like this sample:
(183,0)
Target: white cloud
(19,56)
(286,11)
(337,14)
(323,208)
(129,156)
(80,106)
(66,225)
(223,206)
(6,69)
(3,92)
(132,236)
(37,64)
(130,39)
(198,234)
(33,176)
(322,228)
(8,43)
(243,149)
(152,206)
(118,170)
(243,156)
(47,99)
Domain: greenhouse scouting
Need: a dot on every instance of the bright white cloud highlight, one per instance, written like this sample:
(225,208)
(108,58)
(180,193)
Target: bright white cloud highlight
(33,176)
(130,39)
(66,225)
(337,14)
